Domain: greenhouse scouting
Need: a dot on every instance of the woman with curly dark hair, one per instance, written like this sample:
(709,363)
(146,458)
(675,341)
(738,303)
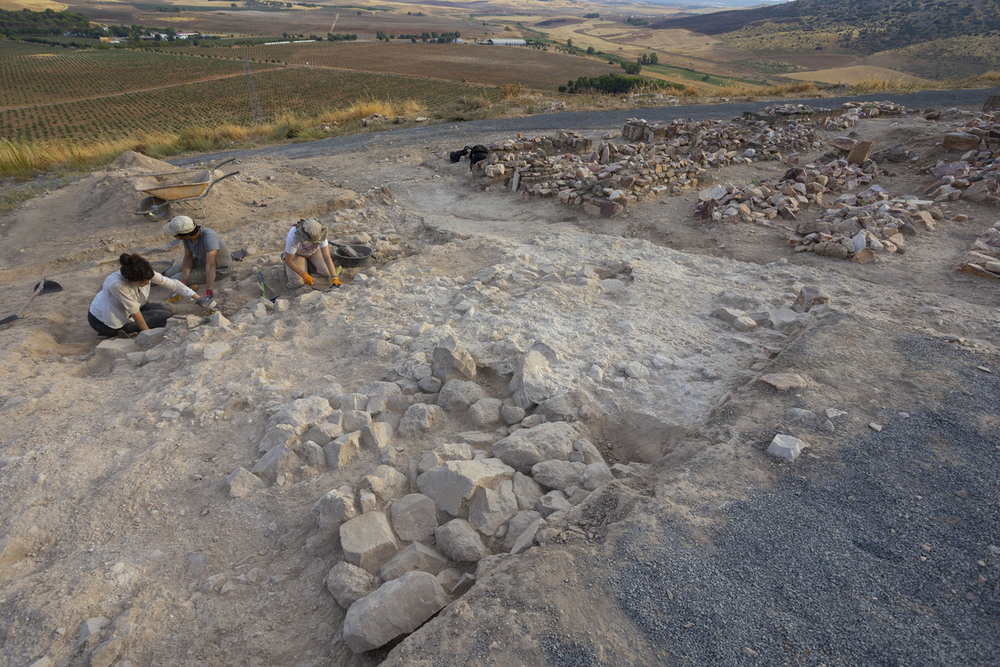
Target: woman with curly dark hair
(121,306)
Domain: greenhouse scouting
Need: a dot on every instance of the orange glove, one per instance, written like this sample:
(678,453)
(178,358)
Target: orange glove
(335,282)
(307,279)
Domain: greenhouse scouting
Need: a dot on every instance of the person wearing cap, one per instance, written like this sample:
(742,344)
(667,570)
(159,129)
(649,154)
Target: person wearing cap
(306,244)
(122,307)
(206,257)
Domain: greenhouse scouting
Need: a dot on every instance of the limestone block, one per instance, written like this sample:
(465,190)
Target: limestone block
(860,152)
(385,396)
(596,475)
(533,381)
(527,537)
(783,319)
(335,507)
(528,446)
(343,450)
(367,540)
(553,501)
(557,474)
(459,541)
(489,509)
(419,418)
(451,360)
(527,491)
(355,420)
(591,454)
(349,402)
(376,435)
(278,463)
(428,461)
(416,556)
(302,413)
(349,583)
(386,482)
(241,483)
(452,483)
(518,524)
(809,296)
(280,434)
(397,608)
(961,141)
(786,447)
(149,338)
(323,433)
(512,414)
(485,413)
(312,455)
(459,395)
(454,451)
(112,349)
(414,517)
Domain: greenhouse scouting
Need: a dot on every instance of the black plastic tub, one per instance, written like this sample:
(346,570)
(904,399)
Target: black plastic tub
(345,260)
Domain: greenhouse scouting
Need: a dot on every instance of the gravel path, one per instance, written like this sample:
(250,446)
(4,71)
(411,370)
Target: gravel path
(888,555)
(471,132)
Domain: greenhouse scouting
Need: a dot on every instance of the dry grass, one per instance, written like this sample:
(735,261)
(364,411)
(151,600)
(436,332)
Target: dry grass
(22,160)
(876,84)
(512,91)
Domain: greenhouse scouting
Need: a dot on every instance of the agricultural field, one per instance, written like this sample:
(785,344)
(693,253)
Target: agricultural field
(218,102)
(472,63)
(225,20)
(35,74)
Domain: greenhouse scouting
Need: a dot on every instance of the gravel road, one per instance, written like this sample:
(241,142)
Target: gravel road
(887,554)
(472,132)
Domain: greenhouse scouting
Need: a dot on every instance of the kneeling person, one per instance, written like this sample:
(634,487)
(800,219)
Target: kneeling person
(122,306)
(306,245)
(206,257)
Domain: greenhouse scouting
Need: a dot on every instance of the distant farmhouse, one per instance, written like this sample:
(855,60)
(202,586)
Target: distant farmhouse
(503,42)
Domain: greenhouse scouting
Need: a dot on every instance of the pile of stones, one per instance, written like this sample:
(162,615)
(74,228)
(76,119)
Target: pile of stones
(853,112)
(653,159)
(860,225)
(984,258)
(797,188)
(416,530)
(976,175)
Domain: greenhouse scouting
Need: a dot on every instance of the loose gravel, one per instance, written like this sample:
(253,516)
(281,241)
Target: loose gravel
(886,555)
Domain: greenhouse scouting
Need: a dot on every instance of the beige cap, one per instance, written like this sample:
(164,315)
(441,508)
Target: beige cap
(311,230)
(180,224)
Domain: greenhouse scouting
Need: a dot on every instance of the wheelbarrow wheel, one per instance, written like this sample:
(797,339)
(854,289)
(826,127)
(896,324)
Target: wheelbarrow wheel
(154,208)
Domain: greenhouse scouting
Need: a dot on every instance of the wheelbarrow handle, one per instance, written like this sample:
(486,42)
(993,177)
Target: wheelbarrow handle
(222,163)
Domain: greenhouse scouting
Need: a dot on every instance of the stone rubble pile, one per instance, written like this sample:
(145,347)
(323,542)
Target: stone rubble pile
(413,536)
(853,112)
(976,175)
(653,158)
(860,225)
(984,258)
(797,188)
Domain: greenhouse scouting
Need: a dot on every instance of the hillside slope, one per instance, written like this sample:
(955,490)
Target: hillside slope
(864,26)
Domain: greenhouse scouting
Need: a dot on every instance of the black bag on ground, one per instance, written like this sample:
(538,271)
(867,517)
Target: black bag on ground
(477,153)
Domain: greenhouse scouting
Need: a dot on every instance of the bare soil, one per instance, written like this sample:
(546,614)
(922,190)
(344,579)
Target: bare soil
(113,494)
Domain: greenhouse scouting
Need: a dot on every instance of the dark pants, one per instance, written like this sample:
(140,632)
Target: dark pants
(155,314)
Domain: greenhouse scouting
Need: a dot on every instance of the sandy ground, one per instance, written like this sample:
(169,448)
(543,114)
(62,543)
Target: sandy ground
(113,494)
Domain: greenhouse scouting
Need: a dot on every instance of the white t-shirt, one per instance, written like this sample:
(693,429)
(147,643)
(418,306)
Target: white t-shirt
(119,299)
(296,246)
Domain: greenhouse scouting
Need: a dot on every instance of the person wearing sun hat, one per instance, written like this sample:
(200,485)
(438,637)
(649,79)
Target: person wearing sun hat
(206,257)
(305,245)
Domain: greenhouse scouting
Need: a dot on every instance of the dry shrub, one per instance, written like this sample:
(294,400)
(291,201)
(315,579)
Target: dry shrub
(511,91)
(874,84)
(993,77)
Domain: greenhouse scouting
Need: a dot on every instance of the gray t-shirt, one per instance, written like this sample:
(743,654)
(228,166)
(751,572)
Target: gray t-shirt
(206,242)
